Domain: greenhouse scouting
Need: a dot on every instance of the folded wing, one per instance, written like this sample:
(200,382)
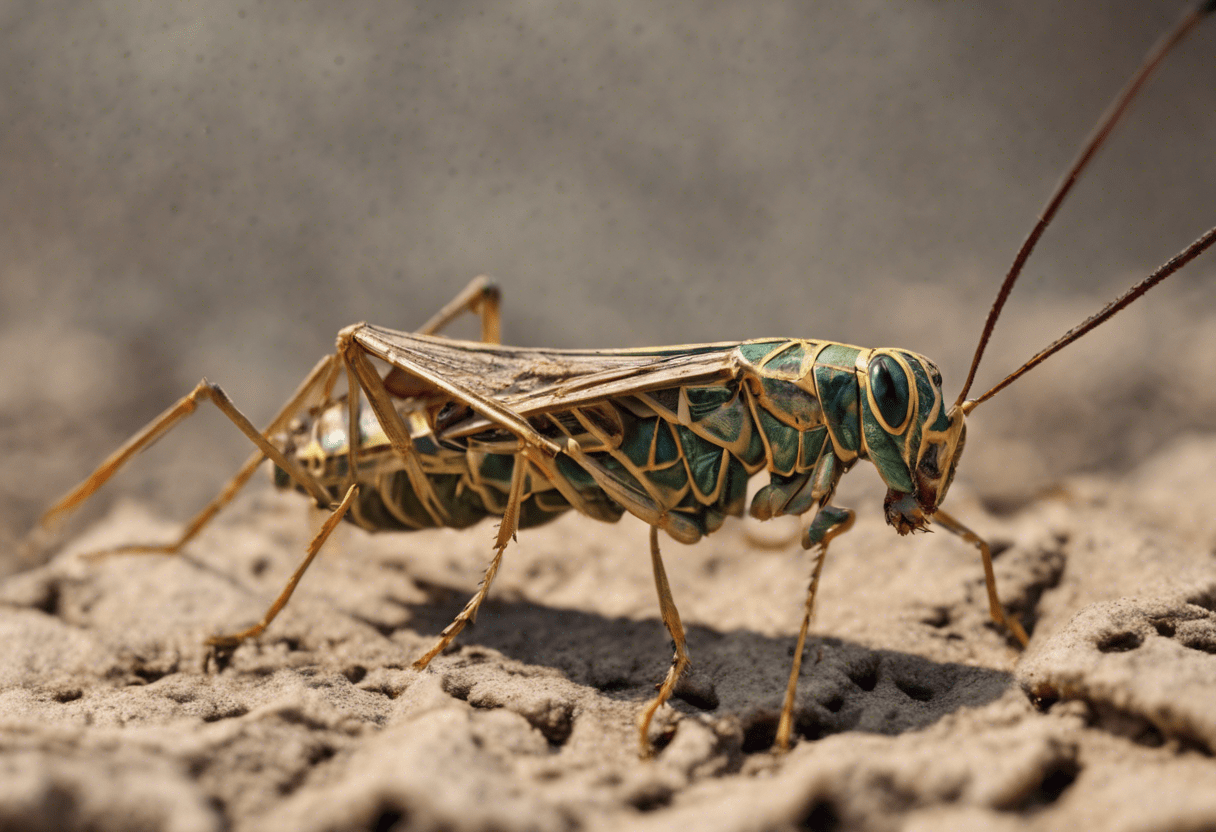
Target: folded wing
(528,381)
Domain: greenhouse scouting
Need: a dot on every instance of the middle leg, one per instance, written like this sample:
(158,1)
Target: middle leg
(829,522)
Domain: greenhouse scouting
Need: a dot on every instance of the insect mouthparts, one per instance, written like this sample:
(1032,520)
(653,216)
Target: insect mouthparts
(904,513)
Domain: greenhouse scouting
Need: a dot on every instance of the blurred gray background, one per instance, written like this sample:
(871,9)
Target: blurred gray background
(216,188)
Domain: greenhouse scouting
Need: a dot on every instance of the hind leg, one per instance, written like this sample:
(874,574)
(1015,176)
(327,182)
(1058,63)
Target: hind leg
(483,298)
(506,531)
(321,378)
(679,661)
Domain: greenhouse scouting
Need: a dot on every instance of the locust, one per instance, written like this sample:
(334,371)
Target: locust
(455,431)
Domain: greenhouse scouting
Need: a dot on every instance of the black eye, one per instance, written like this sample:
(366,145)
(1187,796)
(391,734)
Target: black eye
(889,385)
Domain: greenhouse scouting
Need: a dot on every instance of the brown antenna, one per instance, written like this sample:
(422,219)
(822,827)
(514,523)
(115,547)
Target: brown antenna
(1096,139)
(1174,264)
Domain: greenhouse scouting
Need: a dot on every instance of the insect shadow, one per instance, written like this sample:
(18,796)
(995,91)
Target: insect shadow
(739,673)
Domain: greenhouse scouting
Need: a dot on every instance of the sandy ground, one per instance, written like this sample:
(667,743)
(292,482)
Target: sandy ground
(913,712)
(215,190)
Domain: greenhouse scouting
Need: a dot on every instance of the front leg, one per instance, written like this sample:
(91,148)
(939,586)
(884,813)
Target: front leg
(995,609)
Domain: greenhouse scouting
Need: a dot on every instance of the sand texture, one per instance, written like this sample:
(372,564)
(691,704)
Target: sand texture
(913,712)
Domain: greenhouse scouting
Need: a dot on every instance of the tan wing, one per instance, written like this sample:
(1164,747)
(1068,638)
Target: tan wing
(532,380)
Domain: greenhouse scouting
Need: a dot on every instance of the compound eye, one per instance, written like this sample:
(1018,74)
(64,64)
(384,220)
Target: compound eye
(889,387)
(930,462)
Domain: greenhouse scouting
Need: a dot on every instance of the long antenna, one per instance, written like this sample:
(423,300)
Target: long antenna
(1168,268)
(1096,139)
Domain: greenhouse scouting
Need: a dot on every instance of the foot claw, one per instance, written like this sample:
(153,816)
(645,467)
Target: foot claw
(224,642)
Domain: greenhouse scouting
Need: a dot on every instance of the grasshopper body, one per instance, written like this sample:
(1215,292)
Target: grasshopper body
(457,431)
(804,411)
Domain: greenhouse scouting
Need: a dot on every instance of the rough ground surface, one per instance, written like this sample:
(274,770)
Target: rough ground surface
(914,712)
